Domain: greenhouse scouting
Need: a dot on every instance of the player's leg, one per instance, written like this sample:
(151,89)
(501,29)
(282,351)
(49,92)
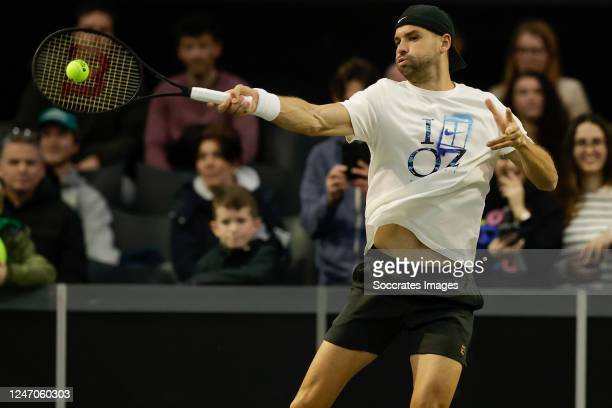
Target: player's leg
(442,334)
(332,367)
(435,380)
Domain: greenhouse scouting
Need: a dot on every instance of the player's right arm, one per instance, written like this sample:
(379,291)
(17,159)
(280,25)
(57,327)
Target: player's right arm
(296,115)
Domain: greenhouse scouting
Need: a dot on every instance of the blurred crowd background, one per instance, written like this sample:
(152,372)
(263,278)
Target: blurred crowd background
(171,191)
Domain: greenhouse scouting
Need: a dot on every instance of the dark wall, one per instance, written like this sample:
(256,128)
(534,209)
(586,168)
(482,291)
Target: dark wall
(233,360)
(294,47)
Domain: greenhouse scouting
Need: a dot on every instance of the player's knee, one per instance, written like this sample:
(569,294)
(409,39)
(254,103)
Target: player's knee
(428,402)
(301,402)
(429,399)
(305,398)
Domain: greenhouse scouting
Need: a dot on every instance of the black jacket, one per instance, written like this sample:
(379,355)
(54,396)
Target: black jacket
(191,236)
(55,229)
(259,265)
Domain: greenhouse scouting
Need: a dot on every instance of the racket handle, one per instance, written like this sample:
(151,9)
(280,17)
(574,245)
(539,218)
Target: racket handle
(209,95)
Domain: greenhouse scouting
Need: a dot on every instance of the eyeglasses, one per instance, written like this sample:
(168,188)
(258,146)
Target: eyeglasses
(586,143)
(17,132)
(530,50)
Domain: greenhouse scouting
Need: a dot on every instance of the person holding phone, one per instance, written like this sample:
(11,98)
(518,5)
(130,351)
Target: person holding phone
(518,216)
(334,186)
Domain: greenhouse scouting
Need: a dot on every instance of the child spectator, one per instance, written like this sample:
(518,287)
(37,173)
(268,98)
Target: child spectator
(240,257)
(217,166)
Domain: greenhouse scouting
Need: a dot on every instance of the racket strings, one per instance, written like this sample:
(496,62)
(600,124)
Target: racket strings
(114,77)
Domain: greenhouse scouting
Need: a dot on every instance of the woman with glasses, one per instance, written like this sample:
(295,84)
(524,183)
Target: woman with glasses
(586,191)
(534,48)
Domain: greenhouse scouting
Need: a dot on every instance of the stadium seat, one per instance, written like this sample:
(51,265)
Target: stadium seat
(155,189)
(142,232)
(107,181)
(301,249)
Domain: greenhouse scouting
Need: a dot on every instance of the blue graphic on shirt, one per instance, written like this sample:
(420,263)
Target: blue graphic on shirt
(453,138)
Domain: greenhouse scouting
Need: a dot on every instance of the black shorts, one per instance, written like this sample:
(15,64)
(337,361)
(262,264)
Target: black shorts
(435,324)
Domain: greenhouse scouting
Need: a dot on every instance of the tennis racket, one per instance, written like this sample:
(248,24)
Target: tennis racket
(115,73)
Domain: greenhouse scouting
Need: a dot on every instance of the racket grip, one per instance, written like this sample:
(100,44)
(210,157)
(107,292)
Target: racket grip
(209,95)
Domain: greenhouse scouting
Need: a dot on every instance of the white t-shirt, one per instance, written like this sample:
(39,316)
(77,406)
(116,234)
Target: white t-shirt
(430,165)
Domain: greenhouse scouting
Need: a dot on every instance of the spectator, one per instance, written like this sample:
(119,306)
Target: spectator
(217,166)
(240,257)
(534,48)
(166,145)
(518,216)
(536,103)
(35,201)
(332,206)
(22,266)
(59,141)
(586,191)
(105,139)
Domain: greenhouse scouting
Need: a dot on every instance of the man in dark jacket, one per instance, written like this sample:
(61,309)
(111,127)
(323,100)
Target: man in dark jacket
(35,201)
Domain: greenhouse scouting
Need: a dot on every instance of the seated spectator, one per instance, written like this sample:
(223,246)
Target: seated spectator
(240,257)
(534,48)
(518,216)
(333,202)
(35,201)
(586,191)
(23,266)
(59,142)
(217,166)
(534,100)
(107,139)
(166,146)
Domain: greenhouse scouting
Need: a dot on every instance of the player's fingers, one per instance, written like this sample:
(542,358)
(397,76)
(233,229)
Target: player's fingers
(497,141)
(501,145)
(498,118)
(509,117)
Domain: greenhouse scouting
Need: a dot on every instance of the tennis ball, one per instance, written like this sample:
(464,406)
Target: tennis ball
(77,71)
(2,252)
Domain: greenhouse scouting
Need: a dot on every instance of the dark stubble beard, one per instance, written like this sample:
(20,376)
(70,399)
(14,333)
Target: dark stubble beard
(419,70)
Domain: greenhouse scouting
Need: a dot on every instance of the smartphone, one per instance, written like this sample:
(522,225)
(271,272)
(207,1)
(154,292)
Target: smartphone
(509,232)
(352,153)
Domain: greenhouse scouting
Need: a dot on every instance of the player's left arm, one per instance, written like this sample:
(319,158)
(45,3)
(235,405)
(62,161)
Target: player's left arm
(536,163)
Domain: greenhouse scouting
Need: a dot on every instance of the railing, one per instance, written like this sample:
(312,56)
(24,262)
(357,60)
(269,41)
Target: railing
(319,301)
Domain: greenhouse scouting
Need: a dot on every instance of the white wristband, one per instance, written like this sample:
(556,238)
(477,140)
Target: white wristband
(268,106)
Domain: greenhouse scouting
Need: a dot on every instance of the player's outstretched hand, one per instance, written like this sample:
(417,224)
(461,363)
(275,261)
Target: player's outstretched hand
(236,104)
(511,134)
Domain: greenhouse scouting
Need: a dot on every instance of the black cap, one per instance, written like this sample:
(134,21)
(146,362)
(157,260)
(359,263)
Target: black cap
(437,21)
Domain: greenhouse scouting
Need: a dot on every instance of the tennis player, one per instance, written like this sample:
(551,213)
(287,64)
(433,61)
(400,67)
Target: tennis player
(434,144)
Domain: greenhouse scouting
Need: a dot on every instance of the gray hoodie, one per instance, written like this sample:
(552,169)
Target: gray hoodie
(95,216)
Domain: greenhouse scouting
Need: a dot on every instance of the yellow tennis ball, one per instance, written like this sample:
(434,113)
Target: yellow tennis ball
(77,71)
(2,252)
